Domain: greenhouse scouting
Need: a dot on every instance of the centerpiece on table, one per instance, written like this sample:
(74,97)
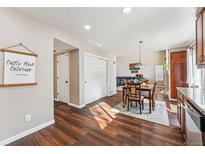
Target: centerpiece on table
(140,78)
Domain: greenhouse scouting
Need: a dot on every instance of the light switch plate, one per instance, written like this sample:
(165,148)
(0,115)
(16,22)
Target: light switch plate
(28,118)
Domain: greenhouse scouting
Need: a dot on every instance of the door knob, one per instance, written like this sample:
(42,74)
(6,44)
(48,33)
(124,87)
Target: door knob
(66,81)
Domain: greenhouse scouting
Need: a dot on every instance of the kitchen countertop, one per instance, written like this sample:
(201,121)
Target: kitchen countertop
(196,96)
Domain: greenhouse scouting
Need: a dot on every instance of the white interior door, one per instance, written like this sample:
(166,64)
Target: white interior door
(95,78)
(63,78)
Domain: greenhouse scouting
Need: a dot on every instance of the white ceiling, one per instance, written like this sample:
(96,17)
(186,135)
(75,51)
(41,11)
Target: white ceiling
(159,28)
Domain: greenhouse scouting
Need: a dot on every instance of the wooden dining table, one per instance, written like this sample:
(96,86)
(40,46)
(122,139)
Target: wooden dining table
(148,88)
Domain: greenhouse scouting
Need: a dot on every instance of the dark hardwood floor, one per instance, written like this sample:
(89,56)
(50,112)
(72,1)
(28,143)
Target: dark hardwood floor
(95,124)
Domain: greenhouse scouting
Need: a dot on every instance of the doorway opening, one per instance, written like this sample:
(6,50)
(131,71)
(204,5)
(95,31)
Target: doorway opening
(66,76)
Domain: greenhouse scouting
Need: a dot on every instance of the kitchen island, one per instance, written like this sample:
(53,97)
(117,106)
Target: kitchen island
(191,114)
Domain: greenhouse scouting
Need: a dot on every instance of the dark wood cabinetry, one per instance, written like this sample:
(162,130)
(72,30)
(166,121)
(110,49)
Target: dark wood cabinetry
(203,54)
(200,37)
(183,121)
(181,113)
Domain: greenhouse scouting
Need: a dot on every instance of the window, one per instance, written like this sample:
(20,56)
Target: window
(195,75)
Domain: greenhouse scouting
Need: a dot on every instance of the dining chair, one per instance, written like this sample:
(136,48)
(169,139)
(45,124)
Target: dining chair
(146,95)
(124,96)
(134,95)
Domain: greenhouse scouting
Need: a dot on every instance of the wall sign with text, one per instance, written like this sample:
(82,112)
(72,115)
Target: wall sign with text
(19,68)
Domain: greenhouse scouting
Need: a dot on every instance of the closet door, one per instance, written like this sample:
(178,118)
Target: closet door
(95,78)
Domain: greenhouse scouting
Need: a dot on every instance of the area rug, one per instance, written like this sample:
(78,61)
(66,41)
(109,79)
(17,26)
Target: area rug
(159,115)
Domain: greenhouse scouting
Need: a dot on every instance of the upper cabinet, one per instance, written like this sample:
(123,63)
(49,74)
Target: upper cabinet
(203,54)
(200,37)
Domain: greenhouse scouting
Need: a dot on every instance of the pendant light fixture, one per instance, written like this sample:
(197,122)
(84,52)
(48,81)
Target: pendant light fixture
(140,64)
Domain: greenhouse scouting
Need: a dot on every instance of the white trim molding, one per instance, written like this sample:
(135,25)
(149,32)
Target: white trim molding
(26,133)
(96,56)
(76,105)
(172,99)
(113,93)
(55,99)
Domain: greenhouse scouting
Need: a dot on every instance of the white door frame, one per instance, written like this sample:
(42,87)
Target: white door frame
(107,67)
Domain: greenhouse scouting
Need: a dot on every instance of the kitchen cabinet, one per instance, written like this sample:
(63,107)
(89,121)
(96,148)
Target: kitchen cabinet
(200,37)
(181,113)
(203,54)
(183,121)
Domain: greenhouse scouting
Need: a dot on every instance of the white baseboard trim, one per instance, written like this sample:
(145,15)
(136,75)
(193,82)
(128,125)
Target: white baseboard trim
(55,99)
(172,99)
(112,93)
(76,106)
(25,133)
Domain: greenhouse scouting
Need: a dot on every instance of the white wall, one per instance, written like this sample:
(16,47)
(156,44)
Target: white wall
(150,59)
(16,102)
(74,77)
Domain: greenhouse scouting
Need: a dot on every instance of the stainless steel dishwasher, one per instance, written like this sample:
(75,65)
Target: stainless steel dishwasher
(195,125)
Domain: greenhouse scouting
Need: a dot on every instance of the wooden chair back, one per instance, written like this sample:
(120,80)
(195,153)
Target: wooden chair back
(134,90)
(154,89)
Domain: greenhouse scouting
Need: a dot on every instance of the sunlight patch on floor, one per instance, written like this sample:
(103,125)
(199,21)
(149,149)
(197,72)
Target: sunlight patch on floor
(102,114)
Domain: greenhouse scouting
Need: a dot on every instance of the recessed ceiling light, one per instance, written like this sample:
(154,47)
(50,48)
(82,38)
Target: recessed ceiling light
(87,27)
(126,10)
